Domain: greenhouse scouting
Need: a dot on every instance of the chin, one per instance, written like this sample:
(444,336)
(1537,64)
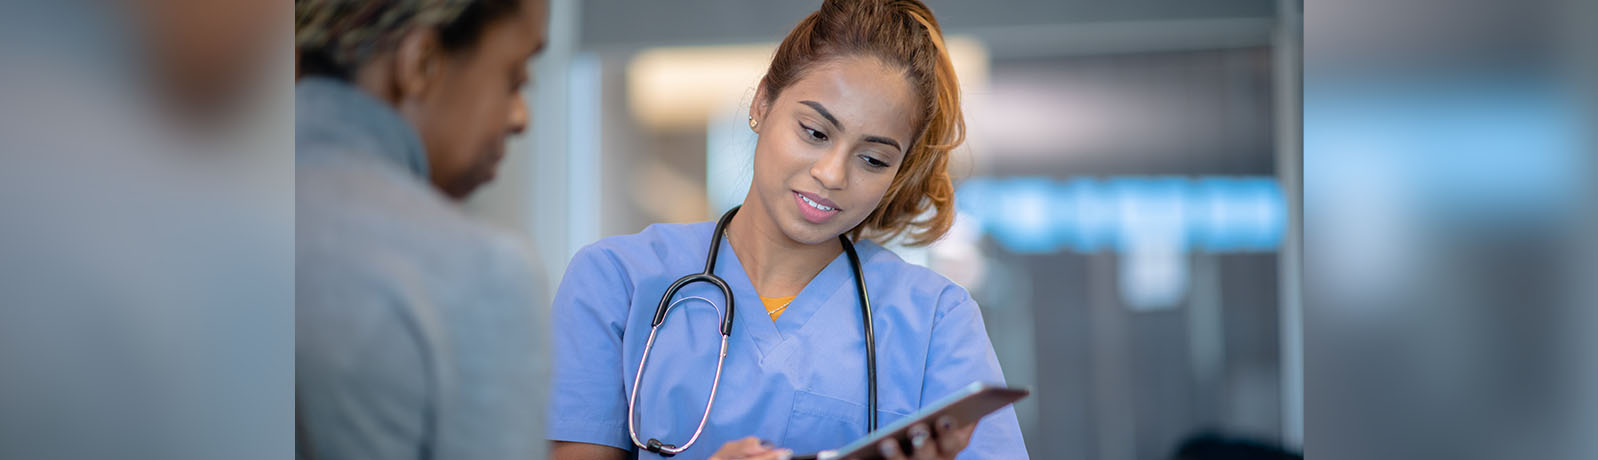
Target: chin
(814,239)
(459,193)
(461,189)
(807,233)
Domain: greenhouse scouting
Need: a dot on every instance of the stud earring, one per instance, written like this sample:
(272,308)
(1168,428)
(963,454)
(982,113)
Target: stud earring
(753,123)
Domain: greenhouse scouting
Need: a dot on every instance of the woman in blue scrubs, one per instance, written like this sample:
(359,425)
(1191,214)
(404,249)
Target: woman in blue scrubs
(855,117)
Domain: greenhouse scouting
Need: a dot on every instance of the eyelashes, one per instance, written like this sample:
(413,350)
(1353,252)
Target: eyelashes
(815,136)
(873,162)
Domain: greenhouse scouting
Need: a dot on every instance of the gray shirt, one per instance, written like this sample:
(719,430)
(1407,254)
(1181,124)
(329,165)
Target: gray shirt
(417,329)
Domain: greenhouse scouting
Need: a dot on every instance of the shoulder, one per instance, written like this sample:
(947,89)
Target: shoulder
(377,223)
(651,249)
(885,268)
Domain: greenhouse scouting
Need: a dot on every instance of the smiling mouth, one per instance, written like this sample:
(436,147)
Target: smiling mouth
(816,205)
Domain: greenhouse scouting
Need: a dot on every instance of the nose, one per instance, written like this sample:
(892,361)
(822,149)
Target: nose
(831,170)
(518,114)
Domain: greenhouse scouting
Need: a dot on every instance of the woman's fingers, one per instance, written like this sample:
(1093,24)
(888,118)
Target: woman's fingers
(890,449)
(945,442)
(926,443)
(750,448)
(777,454)
(953,439)
(922,444)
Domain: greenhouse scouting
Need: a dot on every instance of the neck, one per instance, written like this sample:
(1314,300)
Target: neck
(777,265)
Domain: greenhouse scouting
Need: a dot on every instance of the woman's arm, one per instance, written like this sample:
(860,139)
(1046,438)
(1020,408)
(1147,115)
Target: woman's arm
(587,401)
(960,353)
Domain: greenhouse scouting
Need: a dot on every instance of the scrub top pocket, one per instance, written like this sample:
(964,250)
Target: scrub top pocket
(821,422)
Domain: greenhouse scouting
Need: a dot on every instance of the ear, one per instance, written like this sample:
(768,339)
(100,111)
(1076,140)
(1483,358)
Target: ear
(760,106)
(416,62)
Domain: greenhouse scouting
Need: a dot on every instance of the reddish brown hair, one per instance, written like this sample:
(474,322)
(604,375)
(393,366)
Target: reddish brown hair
(903,34)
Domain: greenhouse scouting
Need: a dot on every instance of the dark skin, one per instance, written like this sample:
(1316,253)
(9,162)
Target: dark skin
(840,134)
(463,103)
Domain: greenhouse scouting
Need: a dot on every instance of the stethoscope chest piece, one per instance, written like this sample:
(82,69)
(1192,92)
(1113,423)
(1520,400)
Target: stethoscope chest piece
(665,450)
(664,308)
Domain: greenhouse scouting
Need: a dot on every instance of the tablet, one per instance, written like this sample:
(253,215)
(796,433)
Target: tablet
(967,406)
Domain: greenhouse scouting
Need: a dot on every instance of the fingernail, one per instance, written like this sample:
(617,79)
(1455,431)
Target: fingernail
(766,444)
(888,448)
(918,436)
(785,455)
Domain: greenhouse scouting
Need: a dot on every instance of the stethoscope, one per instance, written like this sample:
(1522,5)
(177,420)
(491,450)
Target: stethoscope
(709,276)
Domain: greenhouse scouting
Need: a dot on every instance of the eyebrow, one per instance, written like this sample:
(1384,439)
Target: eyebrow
(824,113)
(884,140)
(834,120)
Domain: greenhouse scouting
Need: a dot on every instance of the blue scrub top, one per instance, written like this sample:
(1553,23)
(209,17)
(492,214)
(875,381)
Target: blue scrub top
(799,381)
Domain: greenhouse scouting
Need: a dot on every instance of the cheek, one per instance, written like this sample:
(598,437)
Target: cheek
(454,139)
(479,114)
(871,190)
(473,91)
(777,159)
(485,109)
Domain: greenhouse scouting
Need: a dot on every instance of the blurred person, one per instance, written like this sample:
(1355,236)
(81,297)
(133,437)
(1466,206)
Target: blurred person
(207,54)
(417,333)
(146,266)
(856,117)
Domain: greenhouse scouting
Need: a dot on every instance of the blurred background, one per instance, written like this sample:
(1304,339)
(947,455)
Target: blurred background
(1127,191)
(1134,222)
(1451,237)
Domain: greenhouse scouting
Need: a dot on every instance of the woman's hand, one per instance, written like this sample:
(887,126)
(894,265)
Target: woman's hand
(751,448)
(948,441)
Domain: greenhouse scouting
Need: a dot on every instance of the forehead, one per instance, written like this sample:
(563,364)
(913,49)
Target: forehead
(534,18)
(867,96)
(523,31)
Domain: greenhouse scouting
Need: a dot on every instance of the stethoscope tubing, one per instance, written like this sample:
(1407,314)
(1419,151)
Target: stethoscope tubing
(709,276)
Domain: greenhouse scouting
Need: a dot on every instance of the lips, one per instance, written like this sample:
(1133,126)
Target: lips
(815,209)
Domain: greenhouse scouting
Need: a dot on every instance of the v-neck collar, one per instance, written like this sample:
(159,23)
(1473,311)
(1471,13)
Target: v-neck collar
(766,333)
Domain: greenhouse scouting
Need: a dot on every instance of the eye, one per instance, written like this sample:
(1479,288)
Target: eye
(873,162)
(816,136)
